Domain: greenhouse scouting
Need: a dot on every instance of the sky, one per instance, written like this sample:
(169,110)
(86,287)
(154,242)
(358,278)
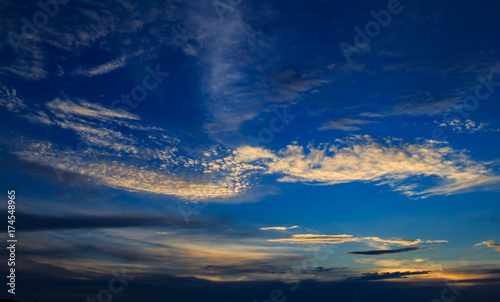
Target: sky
(236,150)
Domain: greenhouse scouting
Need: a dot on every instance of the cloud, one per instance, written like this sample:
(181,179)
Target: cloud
(467,126)
(279,228)
(10,100)
(118,150)
(240,82)
(388,275)
(490,243)
(344,124)
(338,239)
(101,69)
(313,238)
(363,158)
(395,251)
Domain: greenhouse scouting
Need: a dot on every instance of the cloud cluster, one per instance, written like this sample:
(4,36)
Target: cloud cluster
(117,150)
(279,228)
(384,252)
(365,159)
(467,126)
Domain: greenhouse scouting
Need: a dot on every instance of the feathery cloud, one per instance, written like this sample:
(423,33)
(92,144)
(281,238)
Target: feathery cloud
(363,158)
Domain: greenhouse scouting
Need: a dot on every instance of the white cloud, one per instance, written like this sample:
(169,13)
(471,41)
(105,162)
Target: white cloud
(363,158)
(121,152)
(467,126)
(339,239)
(80,29)
(490,243)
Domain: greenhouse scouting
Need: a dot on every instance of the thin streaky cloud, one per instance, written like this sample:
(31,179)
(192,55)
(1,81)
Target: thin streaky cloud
(279,228)
(344,124)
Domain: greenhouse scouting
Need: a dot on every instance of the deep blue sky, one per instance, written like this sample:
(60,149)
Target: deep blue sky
(260,131)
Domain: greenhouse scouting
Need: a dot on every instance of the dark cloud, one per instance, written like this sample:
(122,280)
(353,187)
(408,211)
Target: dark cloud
(382,276)
(493,219)
(321,269)
(33,222)
(394,251)
(86,252)
(276,265)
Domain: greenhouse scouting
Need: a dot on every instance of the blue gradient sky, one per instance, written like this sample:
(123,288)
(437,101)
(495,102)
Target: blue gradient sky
(253,117)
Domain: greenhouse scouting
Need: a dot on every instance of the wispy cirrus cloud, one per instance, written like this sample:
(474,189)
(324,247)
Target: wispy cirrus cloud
(119,151)
(466,126)
(344,124)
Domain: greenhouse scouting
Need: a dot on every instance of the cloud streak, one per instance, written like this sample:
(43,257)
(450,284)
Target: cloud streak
(338,239)
(490,243)
(33,222)
(384,252)
(388,275)
(344,124)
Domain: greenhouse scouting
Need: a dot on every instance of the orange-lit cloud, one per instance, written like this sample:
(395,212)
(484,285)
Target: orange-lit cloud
(337,239)
(279,228)
(490,243)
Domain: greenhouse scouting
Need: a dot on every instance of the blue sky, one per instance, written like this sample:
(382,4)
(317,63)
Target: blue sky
(221,143)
